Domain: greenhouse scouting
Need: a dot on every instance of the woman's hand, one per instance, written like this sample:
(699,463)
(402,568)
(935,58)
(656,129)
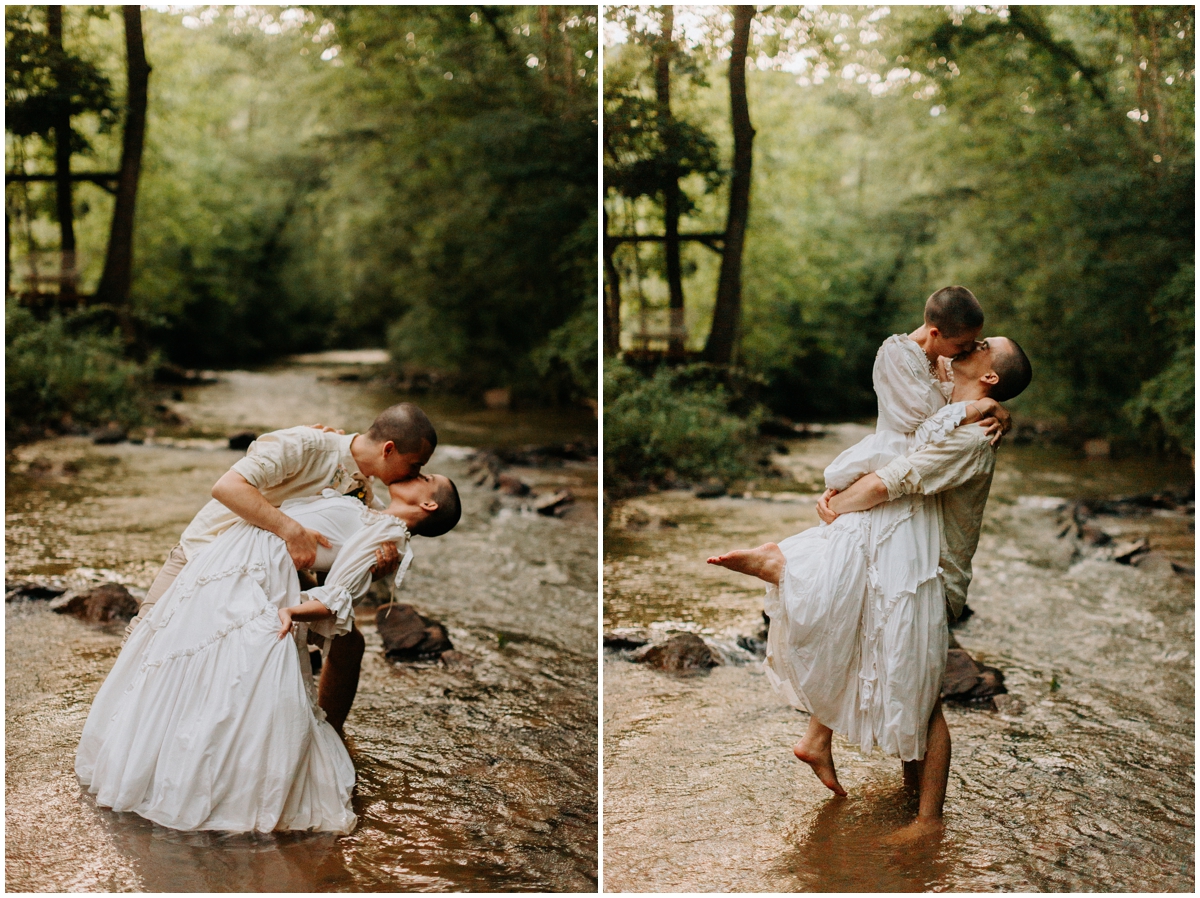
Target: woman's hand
(324,428)
(824,512)
(285,618)
(994,417)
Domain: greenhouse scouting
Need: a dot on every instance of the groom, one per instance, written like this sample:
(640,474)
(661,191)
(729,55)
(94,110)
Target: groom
(296,463)
(958,470)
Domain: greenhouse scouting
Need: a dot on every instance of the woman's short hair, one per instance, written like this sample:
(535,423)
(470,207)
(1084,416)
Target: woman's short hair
(954,311)
(445,517)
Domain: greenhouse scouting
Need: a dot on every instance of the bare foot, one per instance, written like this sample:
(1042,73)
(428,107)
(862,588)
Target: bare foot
(920,830)
(818,754)
(766,562)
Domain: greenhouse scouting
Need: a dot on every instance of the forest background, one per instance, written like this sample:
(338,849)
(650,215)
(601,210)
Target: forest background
(421,178)
(1042,156)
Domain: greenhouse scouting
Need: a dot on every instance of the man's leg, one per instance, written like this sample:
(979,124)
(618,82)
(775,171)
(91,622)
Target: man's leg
(166,576)
(931,773)
(339,677)
(935,770)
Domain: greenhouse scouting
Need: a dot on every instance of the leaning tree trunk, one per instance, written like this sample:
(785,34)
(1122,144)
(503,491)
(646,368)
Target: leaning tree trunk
(118,262)
(62,155)
(670,184)
(728,309)
(612,297)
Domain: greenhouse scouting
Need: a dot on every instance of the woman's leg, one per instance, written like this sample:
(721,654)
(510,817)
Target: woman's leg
(766,562)
(816,750)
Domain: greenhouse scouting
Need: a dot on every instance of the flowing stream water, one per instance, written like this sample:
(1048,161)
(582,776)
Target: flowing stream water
(477,775)
(1083,780)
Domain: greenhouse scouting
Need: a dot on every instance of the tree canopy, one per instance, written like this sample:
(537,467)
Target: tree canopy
(417,177)
(1042,156)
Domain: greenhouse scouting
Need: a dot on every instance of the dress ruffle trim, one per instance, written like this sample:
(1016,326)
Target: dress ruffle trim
(215,637)
(256,569)
(885,605)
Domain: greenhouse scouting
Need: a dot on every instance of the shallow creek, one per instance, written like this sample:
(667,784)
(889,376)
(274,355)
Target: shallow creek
(1084,781)
(477,775)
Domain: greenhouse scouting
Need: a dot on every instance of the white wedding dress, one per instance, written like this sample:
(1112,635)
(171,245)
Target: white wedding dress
(208,720)
(858,633)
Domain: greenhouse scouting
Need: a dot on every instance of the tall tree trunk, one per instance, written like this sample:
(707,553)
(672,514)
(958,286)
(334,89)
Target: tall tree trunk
(62,156)
(118,262)
(670,186)
(727,312)
(612,297)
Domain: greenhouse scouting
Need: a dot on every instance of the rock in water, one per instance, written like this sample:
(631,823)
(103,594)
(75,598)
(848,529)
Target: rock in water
(683,652)
(1153,563)
(108,434)
(30,589)
(555,504)
(966,679)
(625,638)
(101,604)
(242,439)
(407,635)
(511,486)
(710,489)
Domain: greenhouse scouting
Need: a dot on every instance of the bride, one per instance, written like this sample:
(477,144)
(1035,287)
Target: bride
(209,718)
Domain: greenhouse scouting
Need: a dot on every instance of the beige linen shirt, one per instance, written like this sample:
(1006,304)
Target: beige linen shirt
(958,470)
(285,464)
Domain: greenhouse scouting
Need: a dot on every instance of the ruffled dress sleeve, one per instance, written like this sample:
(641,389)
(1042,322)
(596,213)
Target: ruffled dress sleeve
(869,454)
(350,577)
(938,426)
(906,392)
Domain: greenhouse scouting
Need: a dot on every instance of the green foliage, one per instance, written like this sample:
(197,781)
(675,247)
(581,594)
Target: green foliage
(901,150)
(1166,404)
(62,371)
(673,423)
(314,177)
(485,154)
(41,81)
(566,362)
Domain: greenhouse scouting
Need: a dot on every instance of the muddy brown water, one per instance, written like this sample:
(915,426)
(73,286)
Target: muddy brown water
(479,775)
(1082,781)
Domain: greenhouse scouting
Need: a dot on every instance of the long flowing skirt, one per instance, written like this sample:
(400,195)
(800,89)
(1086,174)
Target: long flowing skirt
(858,632)
(208,720)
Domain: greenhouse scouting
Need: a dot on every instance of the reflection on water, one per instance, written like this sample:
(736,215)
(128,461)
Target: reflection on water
(842,846)
(475,775)
(1084,781)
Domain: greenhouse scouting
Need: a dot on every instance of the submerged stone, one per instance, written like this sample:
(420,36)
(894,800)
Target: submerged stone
(683,652)
(407,635)
(101,604)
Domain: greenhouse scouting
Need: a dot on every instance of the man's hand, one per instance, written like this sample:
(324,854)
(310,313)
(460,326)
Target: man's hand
(326,429)
(824,512)
(387,559)
(302,545)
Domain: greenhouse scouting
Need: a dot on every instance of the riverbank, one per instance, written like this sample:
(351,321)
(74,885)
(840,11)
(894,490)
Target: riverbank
(477,773)
(1082,780)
